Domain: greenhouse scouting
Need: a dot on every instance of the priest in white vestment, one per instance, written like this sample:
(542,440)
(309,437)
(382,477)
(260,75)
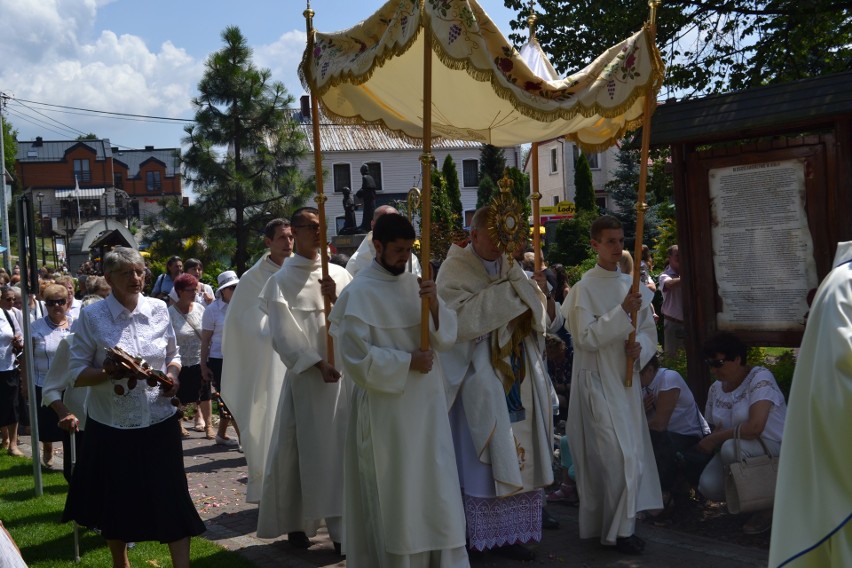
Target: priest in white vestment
(303,480)
(248,354)
(812,521)
(502,413)
(613,457)
(402,504)
(366,252)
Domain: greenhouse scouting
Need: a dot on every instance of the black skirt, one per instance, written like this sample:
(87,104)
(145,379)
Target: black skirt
(132,484)
(48,421)
(192,388)
(10,387)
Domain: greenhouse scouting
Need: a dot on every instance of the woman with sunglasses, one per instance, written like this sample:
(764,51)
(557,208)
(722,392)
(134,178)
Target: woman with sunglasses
(47,332)
(743,396)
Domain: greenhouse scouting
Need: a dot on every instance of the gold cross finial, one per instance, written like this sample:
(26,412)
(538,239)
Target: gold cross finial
(531,18)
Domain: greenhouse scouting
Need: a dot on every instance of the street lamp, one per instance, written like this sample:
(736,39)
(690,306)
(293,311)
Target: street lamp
(40,198)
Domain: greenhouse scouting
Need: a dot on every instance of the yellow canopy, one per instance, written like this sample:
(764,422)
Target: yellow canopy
(482,89)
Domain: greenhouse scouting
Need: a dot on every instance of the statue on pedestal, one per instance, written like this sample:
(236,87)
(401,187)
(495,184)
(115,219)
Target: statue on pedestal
(350,225)
(367,194)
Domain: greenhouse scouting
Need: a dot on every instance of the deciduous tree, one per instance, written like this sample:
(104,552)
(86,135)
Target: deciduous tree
(708,45)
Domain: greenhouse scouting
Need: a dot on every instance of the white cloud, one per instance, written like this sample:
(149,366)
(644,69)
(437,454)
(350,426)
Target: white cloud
(50,56)
(283,57)
(54,52)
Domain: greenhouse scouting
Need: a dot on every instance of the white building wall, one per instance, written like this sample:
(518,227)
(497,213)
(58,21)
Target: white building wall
(400,172)
(561,184)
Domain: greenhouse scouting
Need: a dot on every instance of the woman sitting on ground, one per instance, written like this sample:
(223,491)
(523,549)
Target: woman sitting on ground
(743,396)
(675,423)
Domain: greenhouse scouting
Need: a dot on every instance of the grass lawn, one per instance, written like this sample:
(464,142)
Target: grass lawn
(45,543)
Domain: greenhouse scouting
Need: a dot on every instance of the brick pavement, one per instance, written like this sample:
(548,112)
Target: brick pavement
(217,481)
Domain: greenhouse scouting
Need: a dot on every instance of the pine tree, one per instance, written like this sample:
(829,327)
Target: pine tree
(623,191)
(451,177)
(241,110)
(584,198)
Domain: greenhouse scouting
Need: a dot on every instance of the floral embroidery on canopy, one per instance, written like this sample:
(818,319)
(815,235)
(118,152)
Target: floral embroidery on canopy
(482,88)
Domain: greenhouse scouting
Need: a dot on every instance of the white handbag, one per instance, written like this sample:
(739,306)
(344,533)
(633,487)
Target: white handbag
(750,482)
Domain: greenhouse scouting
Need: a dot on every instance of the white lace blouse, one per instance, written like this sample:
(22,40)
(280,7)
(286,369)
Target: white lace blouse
(46,338)
(145,332)
(188,332)
(727,409)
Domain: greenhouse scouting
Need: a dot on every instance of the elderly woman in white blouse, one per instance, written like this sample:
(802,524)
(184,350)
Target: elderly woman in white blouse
(47,333)
(132,484)
(743,396)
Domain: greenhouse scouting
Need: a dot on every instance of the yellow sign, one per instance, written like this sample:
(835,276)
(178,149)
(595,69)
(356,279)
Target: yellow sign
(561,208)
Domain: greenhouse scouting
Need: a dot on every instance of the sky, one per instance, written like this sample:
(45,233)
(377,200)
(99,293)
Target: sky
(146,58)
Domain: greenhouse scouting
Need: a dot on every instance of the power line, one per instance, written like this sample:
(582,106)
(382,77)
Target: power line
(52,119)
(165,118)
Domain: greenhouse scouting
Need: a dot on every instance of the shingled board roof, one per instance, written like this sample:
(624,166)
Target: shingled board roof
(744,113)
(360,137)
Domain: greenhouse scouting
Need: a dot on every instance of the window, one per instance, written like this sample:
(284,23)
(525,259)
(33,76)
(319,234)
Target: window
(152,181)
(554,161)
(342,177)
(81,170)
(470,173)
(555,200)
(118,181)
(593,161)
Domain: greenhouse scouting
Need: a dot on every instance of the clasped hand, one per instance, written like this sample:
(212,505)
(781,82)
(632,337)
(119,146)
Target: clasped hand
(422,360)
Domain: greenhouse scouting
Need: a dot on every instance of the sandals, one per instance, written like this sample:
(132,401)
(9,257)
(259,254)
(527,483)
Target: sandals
(210,432)
(184,433)
(565,494)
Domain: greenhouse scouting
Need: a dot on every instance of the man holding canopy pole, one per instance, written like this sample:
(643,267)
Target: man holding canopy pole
(616,472)
(402,500)
(303,481)
(502,417)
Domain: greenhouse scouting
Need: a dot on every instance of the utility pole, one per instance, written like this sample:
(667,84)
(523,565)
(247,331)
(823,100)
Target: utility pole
(4,206)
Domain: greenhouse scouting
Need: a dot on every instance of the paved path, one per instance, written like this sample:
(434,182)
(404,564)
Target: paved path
(217,482)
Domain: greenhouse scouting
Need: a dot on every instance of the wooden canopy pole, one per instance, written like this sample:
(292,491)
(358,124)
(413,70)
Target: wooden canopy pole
(426,168)
(641,206)
(535,197)
(320,197)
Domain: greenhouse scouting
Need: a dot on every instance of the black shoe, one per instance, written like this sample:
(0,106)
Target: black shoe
(515,552)
(630,545)
(299,540)
(548,521)
(337,548)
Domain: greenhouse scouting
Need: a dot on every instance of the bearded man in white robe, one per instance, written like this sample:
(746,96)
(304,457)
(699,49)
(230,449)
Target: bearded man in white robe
(246,344)
(812,520)
(502,414)
(366,252)
(402,504)
(303,481)
(613,457)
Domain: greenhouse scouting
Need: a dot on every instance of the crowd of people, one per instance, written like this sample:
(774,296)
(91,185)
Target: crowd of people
(412,446)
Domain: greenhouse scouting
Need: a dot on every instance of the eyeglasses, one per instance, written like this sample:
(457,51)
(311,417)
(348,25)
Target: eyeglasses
(59,302)
(715,363)
(309,226)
